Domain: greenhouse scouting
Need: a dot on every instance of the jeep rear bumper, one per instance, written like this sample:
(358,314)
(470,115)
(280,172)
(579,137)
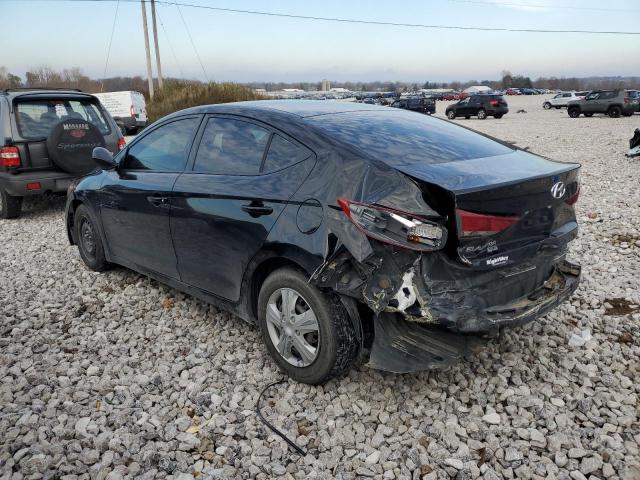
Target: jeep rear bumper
(48,180)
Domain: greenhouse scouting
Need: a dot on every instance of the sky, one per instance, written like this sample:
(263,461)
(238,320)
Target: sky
(243,48)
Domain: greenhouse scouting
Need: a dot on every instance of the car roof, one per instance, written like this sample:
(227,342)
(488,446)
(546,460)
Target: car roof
(298,108)
(42,92)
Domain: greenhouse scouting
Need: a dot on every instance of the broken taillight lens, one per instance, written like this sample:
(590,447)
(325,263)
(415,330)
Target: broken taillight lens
(395,227)
(573,198)
(478,224)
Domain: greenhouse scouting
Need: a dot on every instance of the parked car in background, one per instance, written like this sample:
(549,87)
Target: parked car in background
(480,105)
(562,99)
(609,102)
(416,104)
(128,108)
(513,91)
(46,139)
(343,230)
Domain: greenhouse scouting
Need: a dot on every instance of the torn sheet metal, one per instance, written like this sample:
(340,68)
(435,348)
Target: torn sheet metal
(405,347)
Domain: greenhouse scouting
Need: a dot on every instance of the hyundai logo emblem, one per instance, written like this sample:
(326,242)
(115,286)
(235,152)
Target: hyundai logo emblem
(558,190)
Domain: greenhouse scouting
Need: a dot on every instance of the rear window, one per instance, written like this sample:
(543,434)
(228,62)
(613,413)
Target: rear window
(36,118)
(398,138)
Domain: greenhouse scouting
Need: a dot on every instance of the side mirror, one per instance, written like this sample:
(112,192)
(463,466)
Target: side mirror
(103,158)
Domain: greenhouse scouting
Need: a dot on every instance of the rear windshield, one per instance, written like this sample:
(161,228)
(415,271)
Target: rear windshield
(398,137)
(36,118)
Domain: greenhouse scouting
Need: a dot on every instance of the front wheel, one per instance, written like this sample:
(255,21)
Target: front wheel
(89,242)
(574,112)
(482,114)
(10,206)
(451,114)
(308,334)
(546,105)
(615,112)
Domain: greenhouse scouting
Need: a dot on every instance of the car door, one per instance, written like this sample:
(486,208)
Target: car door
(242,176)
(591,103)
(135,200)
(463,107)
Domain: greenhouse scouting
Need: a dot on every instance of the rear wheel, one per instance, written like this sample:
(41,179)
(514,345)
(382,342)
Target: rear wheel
(498,115)
(546,105)
(308,334)
(451,114)
(574,112)
(89,242)
(10,206)
(467,117)
(558,108)
(615,112)
(482,114)
(588,114)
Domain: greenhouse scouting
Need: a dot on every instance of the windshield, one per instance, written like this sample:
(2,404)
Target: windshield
(398,137)
(36,118)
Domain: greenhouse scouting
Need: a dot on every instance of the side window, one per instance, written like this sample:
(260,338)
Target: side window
(165,149)
(282,153)
(566,95)
(231,147)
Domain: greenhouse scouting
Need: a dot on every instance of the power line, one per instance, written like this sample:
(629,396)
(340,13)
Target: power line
(113,29)
(192,42)
(553,7)
(373,22)
(173,52)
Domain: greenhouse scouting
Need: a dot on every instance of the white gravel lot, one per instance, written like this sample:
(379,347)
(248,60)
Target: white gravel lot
(116,376)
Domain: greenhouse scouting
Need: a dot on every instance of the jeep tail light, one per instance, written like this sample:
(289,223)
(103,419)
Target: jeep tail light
(394,227)
(34,186)
(493,103)
(9,157)
(132,111)
(478,224)
(121,143)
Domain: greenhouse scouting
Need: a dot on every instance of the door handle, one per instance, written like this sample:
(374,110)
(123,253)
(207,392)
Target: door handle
(158,201)
(257,209)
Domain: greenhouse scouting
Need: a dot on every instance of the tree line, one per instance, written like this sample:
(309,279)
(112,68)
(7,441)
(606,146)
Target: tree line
(45,76)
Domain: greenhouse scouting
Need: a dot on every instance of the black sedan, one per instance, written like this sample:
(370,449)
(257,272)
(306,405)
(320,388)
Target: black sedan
(344,230)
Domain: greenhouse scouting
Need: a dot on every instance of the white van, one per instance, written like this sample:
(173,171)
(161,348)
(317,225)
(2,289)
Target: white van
(127,108)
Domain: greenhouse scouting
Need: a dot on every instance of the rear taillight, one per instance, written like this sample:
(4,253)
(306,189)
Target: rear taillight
(9,157)
(627,100)
(395,227)
(573,198)
(494,103)
(478,224)
(121,143)
(132,111)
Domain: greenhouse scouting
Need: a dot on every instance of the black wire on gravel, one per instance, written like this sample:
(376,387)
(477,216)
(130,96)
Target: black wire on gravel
(291,443)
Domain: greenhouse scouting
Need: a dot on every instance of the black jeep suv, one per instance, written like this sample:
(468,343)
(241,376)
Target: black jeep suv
(46,139)
(416,104)
(482,106)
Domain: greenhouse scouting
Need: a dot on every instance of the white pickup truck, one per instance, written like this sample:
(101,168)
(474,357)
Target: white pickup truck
(562,99)
(128,109)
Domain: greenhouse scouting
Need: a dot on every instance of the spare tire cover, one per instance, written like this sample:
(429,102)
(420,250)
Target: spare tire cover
(71,143)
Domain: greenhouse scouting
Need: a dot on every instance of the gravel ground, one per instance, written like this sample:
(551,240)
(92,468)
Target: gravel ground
(114,375)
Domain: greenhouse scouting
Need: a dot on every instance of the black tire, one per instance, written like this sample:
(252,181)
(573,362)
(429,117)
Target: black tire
(615,111)
(546,105)
(482,114)
(574,112)
(558,108)
(337,344)
(498,115)
(451,114)
(10,206)
(87,237)
(467,117)
(71,143)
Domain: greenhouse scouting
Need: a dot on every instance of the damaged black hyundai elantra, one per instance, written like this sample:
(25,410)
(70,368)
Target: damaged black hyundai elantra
(346,231)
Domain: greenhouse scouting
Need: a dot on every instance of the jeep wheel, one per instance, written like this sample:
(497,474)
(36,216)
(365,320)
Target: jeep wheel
(308,334)
(482,114)
(451,114)
(10,207)
(615,112)
(87,237)
(546,105)
(574,112)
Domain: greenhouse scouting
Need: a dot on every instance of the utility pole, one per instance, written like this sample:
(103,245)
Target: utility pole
(155,41)
(146,46)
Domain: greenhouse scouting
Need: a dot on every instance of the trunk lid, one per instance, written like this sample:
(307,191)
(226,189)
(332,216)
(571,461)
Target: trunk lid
(503,208)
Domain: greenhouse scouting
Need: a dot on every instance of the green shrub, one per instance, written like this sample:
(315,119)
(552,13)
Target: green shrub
(177,95)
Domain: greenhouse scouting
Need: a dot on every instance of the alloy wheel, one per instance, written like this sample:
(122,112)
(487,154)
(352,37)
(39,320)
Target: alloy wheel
(87,238)
(293,327)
